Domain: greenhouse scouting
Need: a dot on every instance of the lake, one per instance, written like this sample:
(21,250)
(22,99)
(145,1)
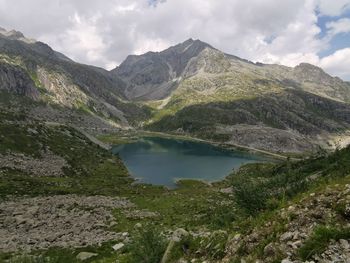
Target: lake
(162,161)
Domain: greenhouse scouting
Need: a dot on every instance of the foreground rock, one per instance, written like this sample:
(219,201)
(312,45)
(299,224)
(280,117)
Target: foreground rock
(57,221)
(85,255)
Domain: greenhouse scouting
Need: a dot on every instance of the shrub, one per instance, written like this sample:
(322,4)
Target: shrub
(249,195)
(148,245)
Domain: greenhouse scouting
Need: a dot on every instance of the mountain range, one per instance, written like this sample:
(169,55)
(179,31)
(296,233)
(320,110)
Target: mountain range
(190,89)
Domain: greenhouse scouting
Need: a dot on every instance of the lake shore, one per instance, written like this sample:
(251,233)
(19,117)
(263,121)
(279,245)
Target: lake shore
(133,136)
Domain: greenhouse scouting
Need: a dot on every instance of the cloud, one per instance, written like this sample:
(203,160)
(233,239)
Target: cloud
(339,26)
(104,32)
(338,63)
(333,7)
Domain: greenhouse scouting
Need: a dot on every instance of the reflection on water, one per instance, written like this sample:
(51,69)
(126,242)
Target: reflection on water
(162,161)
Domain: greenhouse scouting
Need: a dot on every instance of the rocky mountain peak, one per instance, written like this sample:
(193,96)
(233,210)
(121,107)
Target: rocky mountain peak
(15,35)
(311,73)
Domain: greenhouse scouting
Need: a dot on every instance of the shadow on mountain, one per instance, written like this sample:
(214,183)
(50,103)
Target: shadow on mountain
(293,111)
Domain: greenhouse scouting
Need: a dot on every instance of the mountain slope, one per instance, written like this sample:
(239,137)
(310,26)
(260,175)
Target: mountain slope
(154,75)
(51,77)
(212,94)
(196,67)
(189,88)
(287,122)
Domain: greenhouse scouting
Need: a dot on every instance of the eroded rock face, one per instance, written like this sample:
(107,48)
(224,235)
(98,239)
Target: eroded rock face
(62,91)
(63,221)
(15,80)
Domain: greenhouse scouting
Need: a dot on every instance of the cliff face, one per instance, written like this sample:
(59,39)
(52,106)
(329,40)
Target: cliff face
(15,80)
(28,66)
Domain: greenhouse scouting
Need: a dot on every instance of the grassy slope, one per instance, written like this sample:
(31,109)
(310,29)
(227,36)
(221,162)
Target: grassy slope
(194,205)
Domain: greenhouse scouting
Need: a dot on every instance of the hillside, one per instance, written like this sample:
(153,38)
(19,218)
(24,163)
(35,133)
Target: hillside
(189,89)
(198,90)
(33,69)
(64,197)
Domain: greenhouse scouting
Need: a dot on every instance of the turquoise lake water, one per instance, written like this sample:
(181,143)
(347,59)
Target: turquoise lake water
(162,161)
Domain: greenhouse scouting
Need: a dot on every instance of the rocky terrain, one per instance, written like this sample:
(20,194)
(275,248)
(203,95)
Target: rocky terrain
(57,221)
(64,197)
(48,164)
(297,224)
(33,69)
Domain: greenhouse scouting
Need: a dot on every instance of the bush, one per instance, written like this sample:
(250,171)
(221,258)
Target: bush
(148,245)
(249,195)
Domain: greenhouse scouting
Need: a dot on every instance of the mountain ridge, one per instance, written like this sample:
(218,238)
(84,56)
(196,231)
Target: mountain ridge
(146,91)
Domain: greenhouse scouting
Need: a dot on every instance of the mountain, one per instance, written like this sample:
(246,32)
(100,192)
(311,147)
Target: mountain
(198,90)
(155,75)
(197,67)
(191,88)
(65,197)
(33,69)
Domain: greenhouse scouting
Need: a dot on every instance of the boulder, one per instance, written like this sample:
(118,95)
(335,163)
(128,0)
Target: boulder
(179,234)
(118,246)
(85,255)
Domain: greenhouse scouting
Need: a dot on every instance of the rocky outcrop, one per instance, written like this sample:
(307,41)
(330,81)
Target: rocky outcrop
(61,81)
(297,224)
(15,80)
(154,75)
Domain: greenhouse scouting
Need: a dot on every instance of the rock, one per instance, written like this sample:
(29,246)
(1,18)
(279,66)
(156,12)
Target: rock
(178,234)
(269,250)
(113,223)
(286,236)
(237,237)
(286,260)
(85,255)
(296,244)
(138,225)
(228,190)
(58,221)
(344,243)
(118,246)
(291,208)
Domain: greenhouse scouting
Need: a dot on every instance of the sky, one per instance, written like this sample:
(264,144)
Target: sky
(104,32)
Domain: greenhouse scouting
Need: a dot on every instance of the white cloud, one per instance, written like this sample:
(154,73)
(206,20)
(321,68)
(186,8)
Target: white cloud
(338,63)
(339,26)
(333,7)
(104,32)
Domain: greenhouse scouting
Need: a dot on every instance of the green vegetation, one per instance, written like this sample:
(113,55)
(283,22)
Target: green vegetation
(262,186)
(116,139)
(105,254)
(148,245)
(307,113)
(258,190)
(320,239)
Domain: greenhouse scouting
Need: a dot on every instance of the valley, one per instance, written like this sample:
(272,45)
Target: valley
(66,196)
